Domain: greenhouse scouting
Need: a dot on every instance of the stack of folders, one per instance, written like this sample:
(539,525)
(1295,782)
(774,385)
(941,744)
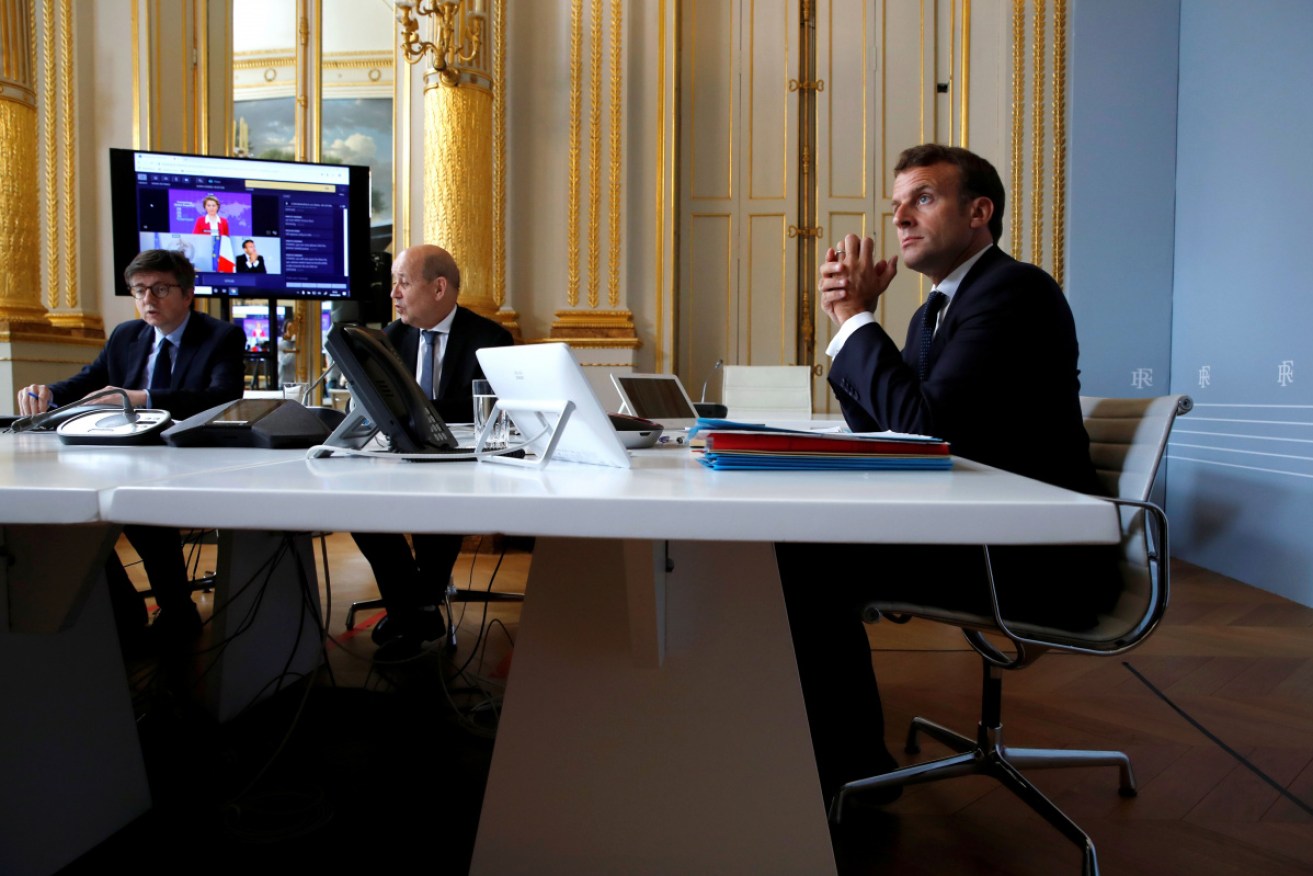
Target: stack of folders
(787,450)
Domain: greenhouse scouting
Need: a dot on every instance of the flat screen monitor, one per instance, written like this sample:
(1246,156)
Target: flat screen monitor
(253,320)
(382,384)
(253,228)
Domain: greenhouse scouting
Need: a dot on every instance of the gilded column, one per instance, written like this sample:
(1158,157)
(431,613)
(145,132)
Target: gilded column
(458,132)
(458,181)
(20,286)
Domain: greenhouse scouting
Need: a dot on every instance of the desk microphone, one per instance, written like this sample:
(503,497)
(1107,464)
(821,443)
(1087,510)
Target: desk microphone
(710,374)
(59,415)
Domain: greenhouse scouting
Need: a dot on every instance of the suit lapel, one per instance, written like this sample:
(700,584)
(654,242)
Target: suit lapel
(963,303)
(138,353)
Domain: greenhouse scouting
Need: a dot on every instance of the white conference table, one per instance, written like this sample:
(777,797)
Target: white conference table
(71,770)
(653,721)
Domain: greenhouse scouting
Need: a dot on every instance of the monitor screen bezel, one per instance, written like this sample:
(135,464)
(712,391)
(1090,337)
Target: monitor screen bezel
(356,239)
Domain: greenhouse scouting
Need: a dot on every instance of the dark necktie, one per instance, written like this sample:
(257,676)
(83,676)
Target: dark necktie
(933,304)
(163,372)
(427,349)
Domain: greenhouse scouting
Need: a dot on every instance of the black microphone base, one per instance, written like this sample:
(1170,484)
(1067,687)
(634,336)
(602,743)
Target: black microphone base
(711,410)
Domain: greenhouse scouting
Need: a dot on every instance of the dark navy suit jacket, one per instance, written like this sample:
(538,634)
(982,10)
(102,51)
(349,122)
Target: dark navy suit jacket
(460,367)
(1002,386)
(208,369)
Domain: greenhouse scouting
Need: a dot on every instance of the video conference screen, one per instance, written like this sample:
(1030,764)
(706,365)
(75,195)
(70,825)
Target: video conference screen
(253,228)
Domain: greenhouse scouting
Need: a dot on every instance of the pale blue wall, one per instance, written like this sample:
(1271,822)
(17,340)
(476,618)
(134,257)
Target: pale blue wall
(1240,468)
(1122,191)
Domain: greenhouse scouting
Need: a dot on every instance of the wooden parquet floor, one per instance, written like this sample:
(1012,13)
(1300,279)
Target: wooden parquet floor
(1215,710)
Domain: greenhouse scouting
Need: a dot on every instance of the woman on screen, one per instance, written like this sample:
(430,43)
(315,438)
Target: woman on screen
(211,223)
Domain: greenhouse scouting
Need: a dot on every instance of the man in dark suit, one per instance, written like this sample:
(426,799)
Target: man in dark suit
(990,365)
(249,262)
(175,359)
(438,339)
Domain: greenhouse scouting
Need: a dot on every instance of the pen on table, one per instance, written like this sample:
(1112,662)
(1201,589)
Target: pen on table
(52,405)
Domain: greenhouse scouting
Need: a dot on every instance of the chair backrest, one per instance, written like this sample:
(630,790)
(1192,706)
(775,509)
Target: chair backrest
(1127,440)
(767,392)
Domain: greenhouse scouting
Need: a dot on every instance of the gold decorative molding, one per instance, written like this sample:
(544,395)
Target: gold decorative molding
(617,97)
(966,73)
(599,328)
(79,324)
(1037,137)
(594,149)
(50,209)
(68,154)
(572,178)
(511,322)
(1018,118)
(1059,245)
(665,201)
(1039,133)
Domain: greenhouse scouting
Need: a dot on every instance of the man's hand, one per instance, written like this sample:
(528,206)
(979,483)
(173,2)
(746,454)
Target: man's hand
(136,397)
(851,280)
(34,399)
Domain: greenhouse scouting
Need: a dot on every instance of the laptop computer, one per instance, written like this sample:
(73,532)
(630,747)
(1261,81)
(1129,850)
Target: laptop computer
(657,397)
(548,374)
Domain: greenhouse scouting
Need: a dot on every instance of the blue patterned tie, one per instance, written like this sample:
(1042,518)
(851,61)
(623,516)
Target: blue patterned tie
(933,303)
(162,374)
(427,349)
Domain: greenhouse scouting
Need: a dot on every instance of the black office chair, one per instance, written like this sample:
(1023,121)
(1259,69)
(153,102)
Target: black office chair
(1127,441)
(450,595)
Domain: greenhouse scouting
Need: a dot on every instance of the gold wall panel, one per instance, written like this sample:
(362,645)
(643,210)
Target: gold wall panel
(706,299)
(847,94)
(594,150)
(709,88)
(767,102)
(768,295)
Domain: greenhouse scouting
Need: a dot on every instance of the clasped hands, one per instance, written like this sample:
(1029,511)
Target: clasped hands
(852,280)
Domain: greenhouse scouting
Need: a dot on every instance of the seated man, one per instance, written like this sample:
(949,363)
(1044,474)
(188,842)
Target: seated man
(175,359)
(991,355)
(438,338)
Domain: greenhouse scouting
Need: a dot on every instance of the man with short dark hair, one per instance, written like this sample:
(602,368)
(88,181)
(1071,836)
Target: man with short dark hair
(990,365)
(172,358)
(438,339)
(250,262)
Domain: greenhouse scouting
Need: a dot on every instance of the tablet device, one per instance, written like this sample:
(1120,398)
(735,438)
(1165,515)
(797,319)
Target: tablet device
(657,397)
(548,374)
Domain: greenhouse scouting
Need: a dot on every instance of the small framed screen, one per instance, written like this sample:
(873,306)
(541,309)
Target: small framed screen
(252,228)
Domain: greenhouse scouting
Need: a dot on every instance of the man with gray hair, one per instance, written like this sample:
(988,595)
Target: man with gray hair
(437,338)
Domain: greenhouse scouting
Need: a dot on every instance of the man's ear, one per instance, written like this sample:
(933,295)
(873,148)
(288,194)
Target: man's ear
(982,210)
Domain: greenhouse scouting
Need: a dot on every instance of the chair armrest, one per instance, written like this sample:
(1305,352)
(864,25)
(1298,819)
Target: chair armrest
(1159,557)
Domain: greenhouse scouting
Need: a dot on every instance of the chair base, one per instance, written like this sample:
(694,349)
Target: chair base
(987,755)
(452,594)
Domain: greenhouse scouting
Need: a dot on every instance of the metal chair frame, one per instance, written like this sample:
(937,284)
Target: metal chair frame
(987,754)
